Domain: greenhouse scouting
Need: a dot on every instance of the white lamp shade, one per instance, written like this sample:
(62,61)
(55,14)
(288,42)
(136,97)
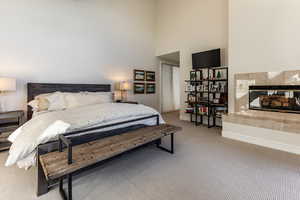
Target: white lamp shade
(125,85)
(8,84)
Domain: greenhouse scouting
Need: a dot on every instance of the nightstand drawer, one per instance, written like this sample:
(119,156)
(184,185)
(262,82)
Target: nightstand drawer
(4,136)
(9,122)
(9,128)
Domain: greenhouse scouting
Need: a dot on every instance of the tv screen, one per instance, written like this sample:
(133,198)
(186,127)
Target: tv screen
(210,58)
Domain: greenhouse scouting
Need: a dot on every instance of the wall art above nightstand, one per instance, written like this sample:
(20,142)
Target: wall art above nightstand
(150,88)
(139,88)
(150,76)
(144,82)
(139,75)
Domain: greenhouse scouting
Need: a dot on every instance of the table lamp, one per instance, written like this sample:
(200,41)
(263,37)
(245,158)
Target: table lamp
(7,85)
(121,90)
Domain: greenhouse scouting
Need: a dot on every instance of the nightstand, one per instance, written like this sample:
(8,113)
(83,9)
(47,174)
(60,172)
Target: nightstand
(9,122)
(129,102)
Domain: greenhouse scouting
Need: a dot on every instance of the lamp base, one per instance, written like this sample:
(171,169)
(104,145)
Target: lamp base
(1,105)
(124,95)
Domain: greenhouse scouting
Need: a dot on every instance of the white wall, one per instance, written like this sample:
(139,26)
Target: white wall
(83,41)
(263,37)
(191,26)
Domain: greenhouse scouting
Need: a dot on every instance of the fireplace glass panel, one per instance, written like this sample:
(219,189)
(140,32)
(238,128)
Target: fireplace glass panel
(275,98)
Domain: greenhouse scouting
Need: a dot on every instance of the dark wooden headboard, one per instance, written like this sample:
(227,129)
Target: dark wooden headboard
(34,89)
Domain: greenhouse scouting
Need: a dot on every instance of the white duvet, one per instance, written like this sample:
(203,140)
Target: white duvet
(47,126)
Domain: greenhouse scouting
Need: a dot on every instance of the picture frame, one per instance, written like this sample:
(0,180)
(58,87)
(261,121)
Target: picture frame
(150,88)
(139,88)
(139,75)
(150,76)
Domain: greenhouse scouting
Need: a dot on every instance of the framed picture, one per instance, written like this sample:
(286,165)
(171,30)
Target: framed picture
(139,75)
(150,88)
(139,88)
(150,76)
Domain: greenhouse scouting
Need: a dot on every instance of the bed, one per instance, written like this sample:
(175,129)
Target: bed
(98,131)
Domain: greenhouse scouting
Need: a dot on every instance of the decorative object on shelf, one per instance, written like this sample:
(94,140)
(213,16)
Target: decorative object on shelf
(150,88)
(150,76)
(193,75)
(204,74)
(216,101)
(203,110)
(198,75)
(219,75)
(139,88)
(139,75)
(189,110)
(7,85)
(210,75)
(219,111)
(191,98)
(189,88)
(121,90)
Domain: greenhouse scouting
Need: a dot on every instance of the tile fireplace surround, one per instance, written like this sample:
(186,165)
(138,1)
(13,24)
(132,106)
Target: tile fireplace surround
(270,129)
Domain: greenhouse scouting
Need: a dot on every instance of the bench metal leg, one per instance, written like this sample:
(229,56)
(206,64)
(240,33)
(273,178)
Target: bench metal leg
(42,183)
(158,144)
(61,188)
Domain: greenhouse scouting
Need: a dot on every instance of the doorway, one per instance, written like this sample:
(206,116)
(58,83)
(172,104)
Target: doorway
(170,82)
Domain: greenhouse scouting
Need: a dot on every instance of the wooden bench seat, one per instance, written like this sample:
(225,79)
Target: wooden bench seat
(56,166)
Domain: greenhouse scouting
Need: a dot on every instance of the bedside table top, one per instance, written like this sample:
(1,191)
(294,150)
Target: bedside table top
(129,102)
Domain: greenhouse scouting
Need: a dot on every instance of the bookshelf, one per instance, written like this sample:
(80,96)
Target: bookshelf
(207,95)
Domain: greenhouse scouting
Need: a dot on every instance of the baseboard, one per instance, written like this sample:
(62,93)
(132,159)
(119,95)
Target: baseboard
(262,142)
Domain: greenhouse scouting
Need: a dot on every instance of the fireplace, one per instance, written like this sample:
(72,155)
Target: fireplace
(280,98)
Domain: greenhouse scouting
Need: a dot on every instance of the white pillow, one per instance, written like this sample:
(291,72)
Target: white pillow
(34,104)
(74,99)
(103,97)
(86,98)
(56,101)
(43,103)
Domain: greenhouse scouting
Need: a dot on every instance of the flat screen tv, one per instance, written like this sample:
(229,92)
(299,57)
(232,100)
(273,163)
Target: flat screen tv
(210,58)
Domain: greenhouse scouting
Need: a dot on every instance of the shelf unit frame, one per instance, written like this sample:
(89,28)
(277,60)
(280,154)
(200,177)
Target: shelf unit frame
(196,117)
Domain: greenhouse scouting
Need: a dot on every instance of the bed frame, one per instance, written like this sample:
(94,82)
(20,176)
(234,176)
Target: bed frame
(34,89)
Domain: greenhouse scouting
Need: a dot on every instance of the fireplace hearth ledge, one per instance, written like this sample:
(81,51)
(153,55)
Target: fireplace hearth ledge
(274,130)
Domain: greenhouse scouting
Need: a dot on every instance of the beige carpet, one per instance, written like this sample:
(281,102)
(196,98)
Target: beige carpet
(205,167)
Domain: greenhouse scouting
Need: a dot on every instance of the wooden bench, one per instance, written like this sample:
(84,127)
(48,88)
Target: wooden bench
(63,163)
